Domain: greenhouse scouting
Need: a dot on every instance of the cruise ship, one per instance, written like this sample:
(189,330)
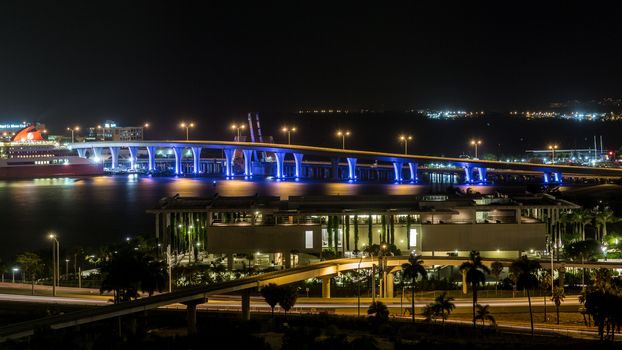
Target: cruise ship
(30,155)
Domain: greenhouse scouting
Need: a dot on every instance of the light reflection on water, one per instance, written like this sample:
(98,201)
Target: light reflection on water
(97,210)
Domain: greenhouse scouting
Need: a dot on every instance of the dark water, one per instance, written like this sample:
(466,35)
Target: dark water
(92,211)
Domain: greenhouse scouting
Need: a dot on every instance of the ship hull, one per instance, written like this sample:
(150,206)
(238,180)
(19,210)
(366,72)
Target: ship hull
(24,172)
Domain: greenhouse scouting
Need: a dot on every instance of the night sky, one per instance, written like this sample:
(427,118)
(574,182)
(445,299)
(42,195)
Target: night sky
(87,61)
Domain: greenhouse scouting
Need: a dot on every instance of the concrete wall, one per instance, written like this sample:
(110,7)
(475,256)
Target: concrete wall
(482,237)
(265,239)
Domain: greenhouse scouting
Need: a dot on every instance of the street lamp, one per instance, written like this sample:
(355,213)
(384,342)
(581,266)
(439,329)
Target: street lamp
(476,143)
(75,128)
(343,135)
(66,269)
(405,139)
(187,126)
(102,129)
(289,133)
(553,148)
(238,127)
(145,127)
(55,261)
(14,270)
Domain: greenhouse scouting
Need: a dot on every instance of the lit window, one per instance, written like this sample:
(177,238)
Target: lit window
(309,239)
(413,237)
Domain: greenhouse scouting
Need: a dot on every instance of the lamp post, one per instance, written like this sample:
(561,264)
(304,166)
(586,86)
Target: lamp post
(66,269)
(358,271)
(553,148)
(14,270)
(55,261)
(343,135)
(145,127)
(405,139)
(75,128)
(238,127)
(99,127)
(289,133)
(476,143)
(187,126)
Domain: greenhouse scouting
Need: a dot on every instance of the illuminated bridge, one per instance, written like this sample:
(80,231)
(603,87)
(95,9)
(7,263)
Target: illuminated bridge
(404,167)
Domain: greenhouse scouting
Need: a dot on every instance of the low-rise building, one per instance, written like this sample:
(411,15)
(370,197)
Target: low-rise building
(270,230)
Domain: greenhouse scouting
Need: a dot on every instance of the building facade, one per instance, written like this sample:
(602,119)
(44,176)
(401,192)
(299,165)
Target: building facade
(301,228)
(110,131)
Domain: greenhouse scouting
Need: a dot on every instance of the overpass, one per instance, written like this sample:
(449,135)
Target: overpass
(550,172)
(194,296)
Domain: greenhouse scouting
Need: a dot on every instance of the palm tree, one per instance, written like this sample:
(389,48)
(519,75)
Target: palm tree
(272,294)
(443,306)
(603,218)
(525,270)
(379,311)
(483,313)
(582,218)
(495,269)
(557,298)
(412,270)
(475,272)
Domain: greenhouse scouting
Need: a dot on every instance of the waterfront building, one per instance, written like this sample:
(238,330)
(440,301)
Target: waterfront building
(110,131)
(284,232)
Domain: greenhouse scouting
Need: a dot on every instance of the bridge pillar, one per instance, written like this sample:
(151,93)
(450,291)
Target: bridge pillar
(152,154)
(246,304)
(133,156)
(81,152)
(556,177)
(397,167)
(179,154)
(191,314)
(298,160)
(248,157)
(481,172)
(97,152)
(546,177)
(287,257)
(389,287)
(465,285)
(229,161)
(413,172)
(326,287)
(196,159)
(468,172)
(280,162)
(229,262)
(351,168)
(114,154)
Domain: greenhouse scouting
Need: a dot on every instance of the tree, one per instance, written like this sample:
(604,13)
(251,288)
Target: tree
(412,270)
(443,306)
(32,265)
(582,218)
(272,294)
(546,279)
(356,233)
(130,271)
(483,313)
(603,218)
(347,233)
(475,272)
(583,250)
(370,236)
(525,270)
(495,269)
(287,297)
(379,311)
(557,298)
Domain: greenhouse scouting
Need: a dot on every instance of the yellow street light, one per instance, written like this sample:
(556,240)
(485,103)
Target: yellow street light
(187,126)
(553,148)
(55,261)
(343,135)
(476,143)
(289,133)
(238,127)
(405,139)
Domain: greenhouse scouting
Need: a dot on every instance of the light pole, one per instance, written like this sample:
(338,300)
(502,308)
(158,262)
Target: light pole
(343,135)
(66,269)
(55,261)
(145,127)
(238,127)
(476,143)
(405,139)
(187,126)
(289,133)
(15,269)
(358,271)
(75,128)
(553,148)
